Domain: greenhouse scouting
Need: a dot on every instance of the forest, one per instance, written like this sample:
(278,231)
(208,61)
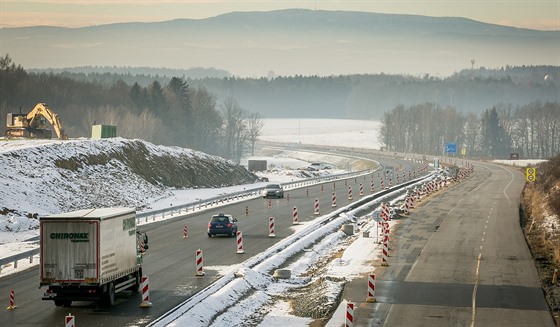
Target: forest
(529,131)
(489,113)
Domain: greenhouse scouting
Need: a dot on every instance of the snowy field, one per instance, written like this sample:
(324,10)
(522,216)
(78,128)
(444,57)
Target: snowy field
(332,132)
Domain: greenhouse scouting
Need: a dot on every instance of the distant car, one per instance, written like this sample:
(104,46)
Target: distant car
(318,166)
(273,191)
(222,224)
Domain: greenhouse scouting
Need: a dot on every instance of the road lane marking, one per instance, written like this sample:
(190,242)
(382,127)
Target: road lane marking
(475,288)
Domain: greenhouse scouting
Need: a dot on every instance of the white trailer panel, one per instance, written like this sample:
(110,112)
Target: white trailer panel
(88,246)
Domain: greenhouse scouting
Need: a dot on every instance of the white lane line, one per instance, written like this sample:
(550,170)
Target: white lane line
(475,289)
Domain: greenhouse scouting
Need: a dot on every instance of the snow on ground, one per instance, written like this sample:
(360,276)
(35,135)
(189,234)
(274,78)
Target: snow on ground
(353,262)
(349,133)
(520,162)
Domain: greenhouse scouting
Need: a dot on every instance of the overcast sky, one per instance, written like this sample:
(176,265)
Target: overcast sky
(537,14)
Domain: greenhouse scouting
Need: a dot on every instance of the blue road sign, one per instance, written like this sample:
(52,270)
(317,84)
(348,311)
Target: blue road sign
(451,147)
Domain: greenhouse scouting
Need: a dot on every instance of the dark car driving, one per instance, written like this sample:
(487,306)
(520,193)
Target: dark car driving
(273,191)
(222,224)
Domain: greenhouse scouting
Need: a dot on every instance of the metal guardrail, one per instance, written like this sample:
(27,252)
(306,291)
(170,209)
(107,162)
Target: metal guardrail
(220,199)
(20,256)
(244,194)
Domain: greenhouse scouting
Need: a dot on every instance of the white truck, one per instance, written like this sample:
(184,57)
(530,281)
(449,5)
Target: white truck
(90,255)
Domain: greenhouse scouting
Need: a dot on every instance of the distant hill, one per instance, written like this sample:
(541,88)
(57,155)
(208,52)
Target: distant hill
(287,43)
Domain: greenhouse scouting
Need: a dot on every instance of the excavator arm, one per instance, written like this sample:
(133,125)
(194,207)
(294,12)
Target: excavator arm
(42,110)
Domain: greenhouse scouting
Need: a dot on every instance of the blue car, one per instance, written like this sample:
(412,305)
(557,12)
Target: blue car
(222,224)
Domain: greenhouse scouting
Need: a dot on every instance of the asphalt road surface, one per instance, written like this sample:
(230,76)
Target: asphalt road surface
(459,259)
(170,261)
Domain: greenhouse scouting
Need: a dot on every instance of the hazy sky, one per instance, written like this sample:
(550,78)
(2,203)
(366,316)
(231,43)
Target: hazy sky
(537,14)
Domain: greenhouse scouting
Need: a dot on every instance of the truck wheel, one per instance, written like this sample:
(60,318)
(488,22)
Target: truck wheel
(136,287)
(109,295)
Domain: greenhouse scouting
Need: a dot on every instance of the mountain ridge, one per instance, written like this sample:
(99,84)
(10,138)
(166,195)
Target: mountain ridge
(289,42)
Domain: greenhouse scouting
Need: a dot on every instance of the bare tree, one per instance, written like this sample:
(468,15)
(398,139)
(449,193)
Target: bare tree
(234,129)
(208,122)
(254,127)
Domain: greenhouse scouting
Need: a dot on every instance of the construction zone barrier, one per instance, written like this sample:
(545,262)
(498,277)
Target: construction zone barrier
(361,189)
(271,227)
(372,188)
(185,232)
(316,206)
(350,193)
(333,202)
(144,285)
(69,321)
(246,210)
(295,216)
(199,261)
(349,314)
(240,242)
(385,258)
(12,305)
(371,289)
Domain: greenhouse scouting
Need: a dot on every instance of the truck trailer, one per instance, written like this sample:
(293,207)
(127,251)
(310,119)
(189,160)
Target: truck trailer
(90,255)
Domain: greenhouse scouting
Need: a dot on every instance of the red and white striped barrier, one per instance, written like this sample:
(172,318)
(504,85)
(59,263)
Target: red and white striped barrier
(349,192)
(185,232)
(12,305)
(372,189)
(333,202)
(199,262)
(295,216)
(381,183)
(269,203)
(240,242)
(361,189)
(386,231)
(371,289)
(349,315)
(144,286)
(398,178)
(385,211)
(271,227)
(390,182)
(69,321)
(316,206)
(246,210)
(405,205)
(385,258)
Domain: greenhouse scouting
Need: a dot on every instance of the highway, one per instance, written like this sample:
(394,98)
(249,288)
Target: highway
(460,259)
(170,260)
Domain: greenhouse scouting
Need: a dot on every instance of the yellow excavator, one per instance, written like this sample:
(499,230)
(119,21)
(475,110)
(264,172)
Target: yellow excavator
(34,124)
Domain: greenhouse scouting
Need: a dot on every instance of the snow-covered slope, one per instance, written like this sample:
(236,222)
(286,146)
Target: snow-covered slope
(42,177)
